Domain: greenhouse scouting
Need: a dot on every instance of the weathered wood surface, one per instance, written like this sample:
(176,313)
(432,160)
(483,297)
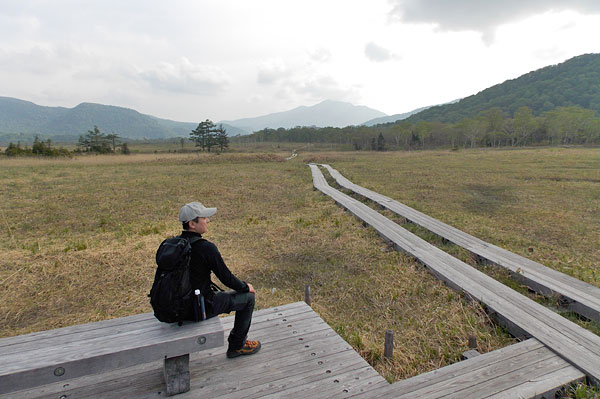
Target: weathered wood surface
(519,313)
(524,370)
(177,374)
(581,297)
(301,357)
(61,354)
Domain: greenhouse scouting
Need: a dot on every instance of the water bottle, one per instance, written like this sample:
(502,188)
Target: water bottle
(202,308)
(196,305)
(200,305)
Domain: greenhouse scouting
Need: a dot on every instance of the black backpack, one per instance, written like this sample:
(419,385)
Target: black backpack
(172,293)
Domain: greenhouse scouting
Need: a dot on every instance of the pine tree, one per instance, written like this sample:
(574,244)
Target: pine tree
(380,142)
(221,138)
(113,139)
(203,135)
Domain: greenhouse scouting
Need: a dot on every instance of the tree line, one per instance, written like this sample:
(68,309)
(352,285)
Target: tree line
(207,136)
(39,148)
(100,143)
(490,128)
(94,141)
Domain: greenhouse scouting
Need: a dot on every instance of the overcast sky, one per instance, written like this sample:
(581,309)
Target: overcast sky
(229,59)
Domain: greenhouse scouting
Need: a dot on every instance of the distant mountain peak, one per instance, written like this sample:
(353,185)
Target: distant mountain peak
(323,114)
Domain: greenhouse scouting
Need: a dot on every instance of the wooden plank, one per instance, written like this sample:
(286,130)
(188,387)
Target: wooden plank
(578,345)
(306,352)
(108,323)
(142,380)
(51,363)
(340,385)
(282,376)
(468,366)
(465,374)
(73,331)
(499,383)
(519,370)
(495,377)
(539,387)
(584,297)
(283,351)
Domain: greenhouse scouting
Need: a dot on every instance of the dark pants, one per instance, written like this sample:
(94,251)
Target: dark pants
(243,306)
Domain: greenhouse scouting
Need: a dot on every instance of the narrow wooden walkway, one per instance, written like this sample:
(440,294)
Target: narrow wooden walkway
(581,297)
(301,357)
(521,315)
(524,370)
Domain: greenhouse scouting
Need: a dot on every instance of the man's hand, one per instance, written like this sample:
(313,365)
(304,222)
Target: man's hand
(251,288)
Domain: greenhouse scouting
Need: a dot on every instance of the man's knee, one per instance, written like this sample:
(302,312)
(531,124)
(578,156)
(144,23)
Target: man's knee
(249,300)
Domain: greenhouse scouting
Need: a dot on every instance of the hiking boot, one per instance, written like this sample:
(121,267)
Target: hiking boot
(249,348)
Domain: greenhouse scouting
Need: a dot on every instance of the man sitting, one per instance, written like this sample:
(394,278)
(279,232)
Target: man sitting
(205,259)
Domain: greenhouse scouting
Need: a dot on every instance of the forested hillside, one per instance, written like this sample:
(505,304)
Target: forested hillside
(575,82)
(489,128)
(24,117)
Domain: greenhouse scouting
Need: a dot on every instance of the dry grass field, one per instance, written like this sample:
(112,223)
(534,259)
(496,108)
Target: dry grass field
(540,203)
(79,236)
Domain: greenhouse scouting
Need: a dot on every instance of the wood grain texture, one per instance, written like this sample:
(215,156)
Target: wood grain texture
(71,352)
(177,374)
(301,355)
(309,360)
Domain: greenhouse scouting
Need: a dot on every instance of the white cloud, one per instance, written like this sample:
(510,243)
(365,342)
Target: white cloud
(41,58)
(272,71)
(251,58)
(320,55)
(481,15)
(185,77)
(375,52)
(325,87)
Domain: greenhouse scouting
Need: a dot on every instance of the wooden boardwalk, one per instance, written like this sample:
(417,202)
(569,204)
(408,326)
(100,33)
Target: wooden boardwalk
(302,357)
(580,297)
(524,370)
(522,316)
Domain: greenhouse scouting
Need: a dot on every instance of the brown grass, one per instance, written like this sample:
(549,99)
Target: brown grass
(540,203)
(78,237)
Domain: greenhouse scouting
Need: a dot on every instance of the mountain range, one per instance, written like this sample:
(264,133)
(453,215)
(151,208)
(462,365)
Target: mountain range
(575,82)
(327,113)
(19,118)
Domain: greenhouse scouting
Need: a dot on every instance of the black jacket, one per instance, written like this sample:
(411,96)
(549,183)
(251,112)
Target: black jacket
(206,259)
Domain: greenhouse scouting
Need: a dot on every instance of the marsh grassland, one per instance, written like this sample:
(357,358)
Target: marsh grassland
(79,236)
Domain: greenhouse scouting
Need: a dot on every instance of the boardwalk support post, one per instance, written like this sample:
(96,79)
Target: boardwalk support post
(472,352)
(472,342)
(388,349)
(307,294)
(177,374)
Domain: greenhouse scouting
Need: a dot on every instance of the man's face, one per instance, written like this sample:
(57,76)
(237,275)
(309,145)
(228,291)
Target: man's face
(201,226)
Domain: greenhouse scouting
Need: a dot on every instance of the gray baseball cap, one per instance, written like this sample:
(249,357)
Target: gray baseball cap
(194,210)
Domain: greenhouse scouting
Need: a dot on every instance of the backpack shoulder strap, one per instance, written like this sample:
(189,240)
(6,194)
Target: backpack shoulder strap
(193,240)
